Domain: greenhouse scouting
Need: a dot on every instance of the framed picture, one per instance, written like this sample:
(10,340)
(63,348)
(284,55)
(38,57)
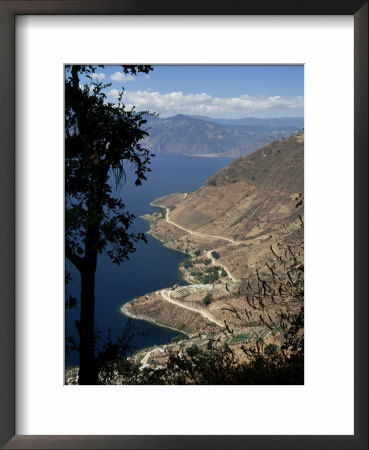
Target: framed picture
(327,407)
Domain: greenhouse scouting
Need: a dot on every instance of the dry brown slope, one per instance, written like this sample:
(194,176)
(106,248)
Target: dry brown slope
(251,196)
(251,201)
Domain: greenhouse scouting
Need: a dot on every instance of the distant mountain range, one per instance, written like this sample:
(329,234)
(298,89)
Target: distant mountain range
(277,122)
(201,135)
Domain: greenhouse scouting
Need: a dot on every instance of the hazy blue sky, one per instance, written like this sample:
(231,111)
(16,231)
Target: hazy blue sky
(214,91)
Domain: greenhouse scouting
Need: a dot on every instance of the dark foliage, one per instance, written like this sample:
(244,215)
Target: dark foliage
(207,299)
(101,140)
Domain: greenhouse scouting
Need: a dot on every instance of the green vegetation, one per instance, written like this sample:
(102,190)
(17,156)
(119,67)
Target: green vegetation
(215,255)
(207,261)
(196,273)
(193,350)
(187,263)
(198,252)
(208,276)
(241,338)
(162,213)
(271,349)
(178,338)
(209,279)
(207,299)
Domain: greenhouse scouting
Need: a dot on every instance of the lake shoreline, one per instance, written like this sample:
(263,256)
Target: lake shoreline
(127,313)
(150,268)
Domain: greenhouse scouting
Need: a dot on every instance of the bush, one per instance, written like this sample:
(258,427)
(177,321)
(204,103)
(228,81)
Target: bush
(271,349)
(207,262)
(211,274)
(178,338)
(207,299)
(215,255)
(187,263)
(196,273)
(192,351)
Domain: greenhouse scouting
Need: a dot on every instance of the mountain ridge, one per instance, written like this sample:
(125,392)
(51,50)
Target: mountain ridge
(184,134)
(251,200)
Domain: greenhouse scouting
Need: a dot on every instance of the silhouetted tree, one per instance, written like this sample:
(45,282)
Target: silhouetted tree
(100,137)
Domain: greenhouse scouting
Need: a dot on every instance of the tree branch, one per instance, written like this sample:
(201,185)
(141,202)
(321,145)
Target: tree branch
(73,257)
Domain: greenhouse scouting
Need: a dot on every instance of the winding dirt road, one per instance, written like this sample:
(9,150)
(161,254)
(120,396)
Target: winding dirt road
(205,314)
(216,263)
(146,358)
(196,233)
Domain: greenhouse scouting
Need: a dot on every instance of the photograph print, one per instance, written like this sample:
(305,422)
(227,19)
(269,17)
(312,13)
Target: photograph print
(184,224)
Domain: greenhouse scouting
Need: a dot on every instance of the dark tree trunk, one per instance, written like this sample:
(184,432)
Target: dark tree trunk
(88,371)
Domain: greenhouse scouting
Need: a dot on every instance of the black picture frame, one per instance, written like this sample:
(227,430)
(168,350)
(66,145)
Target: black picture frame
(8,12)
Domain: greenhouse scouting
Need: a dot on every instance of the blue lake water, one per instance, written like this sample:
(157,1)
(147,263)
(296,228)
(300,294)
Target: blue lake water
(152,266)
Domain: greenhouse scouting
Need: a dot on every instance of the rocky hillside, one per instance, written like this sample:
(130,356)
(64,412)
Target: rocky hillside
(241,210)
(243,234)
(279,165)
(182,134)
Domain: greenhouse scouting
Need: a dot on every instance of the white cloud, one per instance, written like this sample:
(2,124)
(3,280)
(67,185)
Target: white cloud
(120,76)
(202,103)
(98,76)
